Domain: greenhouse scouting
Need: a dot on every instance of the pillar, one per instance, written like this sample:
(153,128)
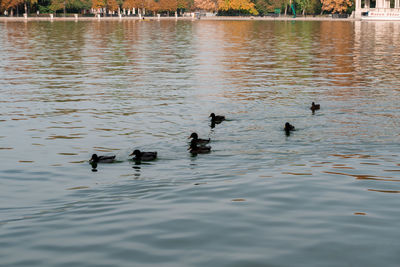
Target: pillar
(357,12)
(367,4)
(358,5)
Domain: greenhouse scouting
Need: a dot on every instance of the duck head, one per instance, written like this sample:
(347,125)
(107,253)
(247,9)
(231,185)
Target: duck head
(289,127)
(212,115)
(136,153)
(94,158)
(194,136)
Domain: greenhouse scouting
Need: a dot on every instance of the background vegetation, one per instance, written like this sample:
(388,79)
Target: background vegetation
(152,7)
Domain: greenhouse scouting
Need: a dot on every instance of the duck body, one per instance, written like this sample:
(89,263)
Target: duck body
(196,149)
(216,118)
(288,127)
(198,140)
(102,159)
(143,156)
(315,107)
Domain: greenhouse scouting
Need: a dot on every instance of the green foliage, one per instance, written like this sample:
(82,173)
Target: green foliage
(79,4)
(302,4)
(44,9)
(262,7)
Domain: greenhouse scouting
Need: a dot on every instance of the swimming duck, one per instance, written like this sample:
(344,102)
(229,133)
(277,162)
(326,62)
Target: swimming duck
(102,159)
(315,107)
(195,149)
(216,118)
(198,140)
(288,127)
(145,156)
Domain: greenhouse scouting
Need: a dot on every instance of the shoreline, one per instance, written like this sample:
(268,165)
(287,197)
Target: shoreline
(215,18)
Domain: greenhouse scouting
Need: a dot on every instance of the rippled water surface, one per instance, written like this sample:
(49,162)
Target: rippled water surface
(327,195)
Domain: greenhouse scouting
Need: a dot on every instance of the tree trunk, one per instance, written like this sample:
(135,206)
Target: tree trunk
(65,10)
(26,8)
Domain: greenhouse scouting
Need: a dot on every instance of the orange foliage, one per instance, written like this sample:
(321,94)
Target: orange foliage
(112,5)
(209,5)
(7,4)
(336,6)
(132,4)
(225,5)
(168,5)
(153,6)
(96,4)
(182,4)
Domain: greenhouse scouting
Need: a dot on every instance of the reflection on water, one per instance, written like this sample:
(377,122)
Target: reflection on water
(71,89)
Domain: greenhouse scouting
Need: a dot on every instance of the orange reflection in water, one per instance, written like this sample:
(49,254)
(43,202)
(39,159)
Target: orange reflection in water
(365,176)
(296,173)
(349,156)
(385,191)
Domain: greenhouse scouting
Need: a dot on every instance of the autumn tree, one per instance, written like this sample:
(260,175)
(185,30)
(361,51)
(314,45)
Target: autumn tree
(184,4)
(112,5)
(10,4)
(208,5)
(153,6)
(97,4)
(336,6)
(245,5)
(168,5)
(58,4)
(129,4)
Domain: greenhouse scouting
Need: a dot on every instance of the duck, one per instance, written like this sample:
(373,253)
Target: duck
(195,149)
(143,156)
(198,140)
(216,118)
(288,127)
(315,107)
(102,159)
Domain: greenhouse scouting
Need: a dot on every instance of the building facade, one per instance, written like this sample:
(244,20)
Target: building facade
(383,8)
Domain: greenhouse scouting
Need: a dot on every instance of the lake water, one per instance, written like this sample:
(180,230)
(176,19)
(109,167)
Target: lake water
(327,195)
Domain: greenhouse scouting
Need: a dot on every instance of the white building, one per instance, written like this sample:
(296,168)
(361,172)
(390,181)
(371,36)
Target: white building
(377,9)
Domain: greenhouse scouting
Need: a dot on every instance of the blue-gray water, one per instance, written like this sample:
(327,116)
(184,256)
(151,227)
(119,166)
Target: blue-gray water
(327,195)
